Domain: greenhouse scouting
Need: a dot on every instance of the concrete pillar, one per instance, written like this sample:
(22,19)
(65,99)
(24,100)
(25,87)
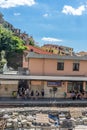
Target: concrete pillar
(84,85)
(66,85)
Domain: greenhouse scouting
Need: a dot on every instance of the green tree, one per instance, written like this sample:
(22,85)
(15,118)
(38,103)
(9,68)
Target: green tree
(9,42)
(17,44)
(13,46)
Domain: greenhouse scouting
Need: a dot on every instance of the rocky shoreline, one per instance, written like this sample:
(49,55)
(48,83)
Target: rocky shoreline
(32,117)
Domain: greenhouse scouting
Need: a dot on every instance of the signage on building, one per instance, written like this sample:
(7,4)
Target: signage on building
(54,83)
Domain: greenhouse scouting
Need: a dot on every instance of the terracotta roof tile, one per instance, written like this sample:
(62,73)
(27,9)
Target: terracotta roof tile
(37,50)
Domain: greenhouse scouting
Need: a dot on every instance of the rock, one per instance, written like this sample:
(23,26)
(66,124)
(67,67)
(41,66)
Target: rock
(15,120)
(6,116)
(67,123)
(23,121)
(9,120)
(19,125)
(15,113)
(9,125)
(29,123)
(51,121)
(30,118)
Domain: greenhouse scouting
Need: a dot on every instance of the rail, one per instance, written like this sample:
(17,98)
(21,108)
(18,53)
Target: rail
(47,128)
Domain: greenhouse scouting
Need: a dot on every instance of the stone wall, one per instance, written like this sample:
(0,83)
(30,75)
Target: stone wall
(7,87)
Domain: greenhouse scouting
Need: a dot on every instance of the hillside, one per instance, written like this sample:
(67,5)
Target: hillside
(11,43)
(17,32)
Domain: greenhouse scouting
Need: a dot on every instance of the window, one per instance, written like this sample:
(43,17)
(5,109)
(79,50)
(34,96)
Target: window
(75,86)
(60,66)
(69,87)
(75,66)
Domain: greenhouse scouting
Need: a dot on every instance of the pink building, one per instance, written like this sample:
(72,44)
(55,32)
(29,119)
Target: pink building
(53,75)
(57,75)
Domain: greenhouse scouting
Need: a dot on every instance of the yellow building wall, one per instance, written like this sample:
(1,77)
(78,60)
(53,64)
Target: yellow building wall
(39,85)
(59,93)
(7,87)
(36,86)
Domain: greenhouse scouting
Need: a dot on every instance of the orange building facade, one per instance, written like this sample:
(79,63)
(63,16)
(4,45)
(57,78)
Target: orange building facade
(57,75)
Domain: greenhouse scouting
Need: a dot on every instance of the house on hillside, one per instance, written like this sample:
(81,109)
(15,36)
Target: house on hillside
(56,49)
(82,53)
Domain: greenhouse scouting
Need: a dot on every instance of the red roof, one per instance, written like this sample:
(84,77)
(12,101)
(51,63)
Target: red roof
(37,50)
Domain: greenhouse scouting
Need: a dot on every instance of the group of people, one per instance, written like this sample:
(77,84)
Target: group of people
(28,93)
(77,94)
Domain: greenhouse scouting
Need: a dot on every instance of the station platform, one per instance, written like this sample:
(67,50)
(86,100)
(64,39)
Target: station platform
(45,102)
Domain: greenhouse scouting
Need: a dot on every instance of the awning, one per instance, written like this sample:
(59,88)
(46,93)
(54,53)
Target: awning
(46,78)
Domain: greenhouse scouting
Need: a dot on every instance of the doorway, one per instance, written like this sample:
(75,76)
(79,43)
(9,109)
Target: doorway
(22,86)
